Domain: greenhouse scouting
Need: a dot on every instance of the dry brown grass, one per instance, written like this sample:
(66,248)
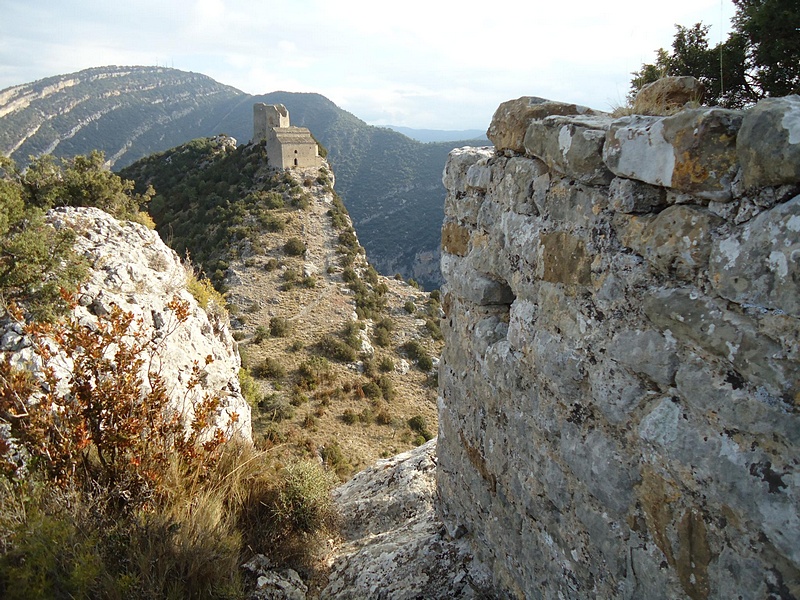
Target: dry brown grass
(259,294)
(188,543)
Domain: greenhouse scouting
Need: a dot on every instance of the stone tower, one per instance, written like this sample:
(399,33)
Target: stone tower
(287,146)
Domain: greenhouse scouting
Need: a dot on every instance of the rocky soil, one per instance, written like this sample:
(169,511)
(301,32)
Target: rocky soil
(257,283)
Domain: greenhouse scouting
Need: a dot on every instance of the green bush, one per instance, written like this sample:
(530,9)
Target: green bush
(270,368)
(417,352)
(351,334)
(249,387)
(386,364)
(294,247)
(273,223)
(419,425)
(350,417)
(313,372)
(280,327)
(260,334)
(336,349)
(335,459)
(276,408)
(272,200)
(366,416)
(383,332)
(387,388)
(384,418)
(432,325)
(372,390)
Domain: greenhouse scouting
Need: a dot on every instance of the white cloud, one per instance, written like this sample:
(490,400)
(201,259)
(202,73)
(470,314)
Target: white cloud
(417,63)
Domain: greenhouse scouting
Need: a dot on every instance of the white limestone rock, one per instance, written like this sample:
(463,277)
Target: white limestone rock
(395,546)
(132,268)
(693,151)
(572,146)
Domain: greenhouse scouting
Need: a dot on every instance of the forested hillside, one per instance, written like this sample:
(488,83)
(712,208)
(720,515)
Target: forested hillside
(390,183)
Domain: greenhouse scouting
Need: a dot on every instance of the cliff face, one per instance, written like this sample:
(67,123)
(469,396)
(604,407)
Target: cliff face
(619,386)
(131,267)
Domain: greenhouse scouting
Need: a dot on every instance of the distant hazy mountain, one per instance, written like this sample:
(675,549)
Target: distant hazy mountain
(441,135)
(391,184)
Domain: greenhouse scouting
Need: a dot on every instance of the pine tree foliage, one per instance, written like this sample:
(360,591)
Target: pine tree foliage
(760,58)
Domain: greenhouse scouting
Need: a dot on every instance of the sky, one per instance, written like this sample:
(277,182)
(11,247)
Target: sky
(427,64)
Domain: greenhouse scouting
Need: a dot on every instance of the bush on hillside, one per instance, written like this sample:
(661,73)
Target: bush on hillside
(294,247)
(336,349)
(117,498)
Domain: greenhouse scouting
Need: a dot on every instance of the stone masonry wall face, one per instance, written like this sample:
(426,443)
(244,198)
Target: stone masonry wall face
(619,389)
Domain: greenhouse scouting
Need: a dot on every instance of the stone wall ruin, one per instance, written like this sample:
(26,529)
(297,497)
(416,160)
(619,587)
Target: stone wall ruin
(619,396)
(287,146)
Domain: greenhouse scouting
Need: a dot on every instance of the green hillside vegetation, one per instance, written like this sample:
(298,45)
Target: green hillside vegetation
(390,183)
(102,493)
(36,261)
(224,207)
(212,199)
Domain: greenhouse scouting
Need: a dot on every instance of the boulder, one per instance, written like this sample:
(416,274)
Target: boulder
(571,145)
(768,144)
(512,118)
(131,267)
(394,544)
(668,95)
(693,151)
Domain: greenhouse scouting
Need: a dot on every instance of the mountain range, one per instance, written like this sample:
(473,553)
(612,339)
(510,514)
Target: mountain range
(390,183)
(441,135)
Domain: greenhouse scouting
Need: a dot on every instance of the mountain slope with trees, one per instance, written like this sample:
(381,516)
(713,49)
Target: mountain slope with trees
(760,58)
(390,183)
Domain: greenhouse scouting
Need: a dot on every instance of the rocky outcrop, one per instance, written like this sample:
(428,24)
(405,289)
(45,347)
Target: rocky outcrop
(131,267)
(394,544)
(620,381)
(668,95)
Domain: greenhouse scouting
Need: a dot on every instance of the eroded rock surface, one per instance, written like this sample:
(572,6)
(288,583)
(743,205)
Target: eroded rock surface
(131,267)
(394,545)
(620,384)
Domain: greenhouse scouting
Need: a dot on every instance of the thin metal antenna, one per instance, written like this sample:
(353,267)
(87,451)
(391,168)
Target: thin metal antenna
(721,78)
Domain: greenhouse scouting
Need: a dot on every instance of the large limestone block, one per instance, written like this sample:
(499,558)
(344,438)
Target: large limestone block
(768,144)
(455,239)
(459,163)
(513,183)
(572,146)
(744,478)
(760,263)
(567,201)
(564,259)
(132,268)
(646,352)
(470,284)
(668,94)
(511,119)
(598,462)
(706,322)
(693,151)
(630,196)
(463,199)
(676,242)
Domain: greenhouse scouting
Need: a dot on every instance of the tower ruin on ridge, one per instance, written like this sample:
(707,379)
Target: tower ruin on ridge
(287,147)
